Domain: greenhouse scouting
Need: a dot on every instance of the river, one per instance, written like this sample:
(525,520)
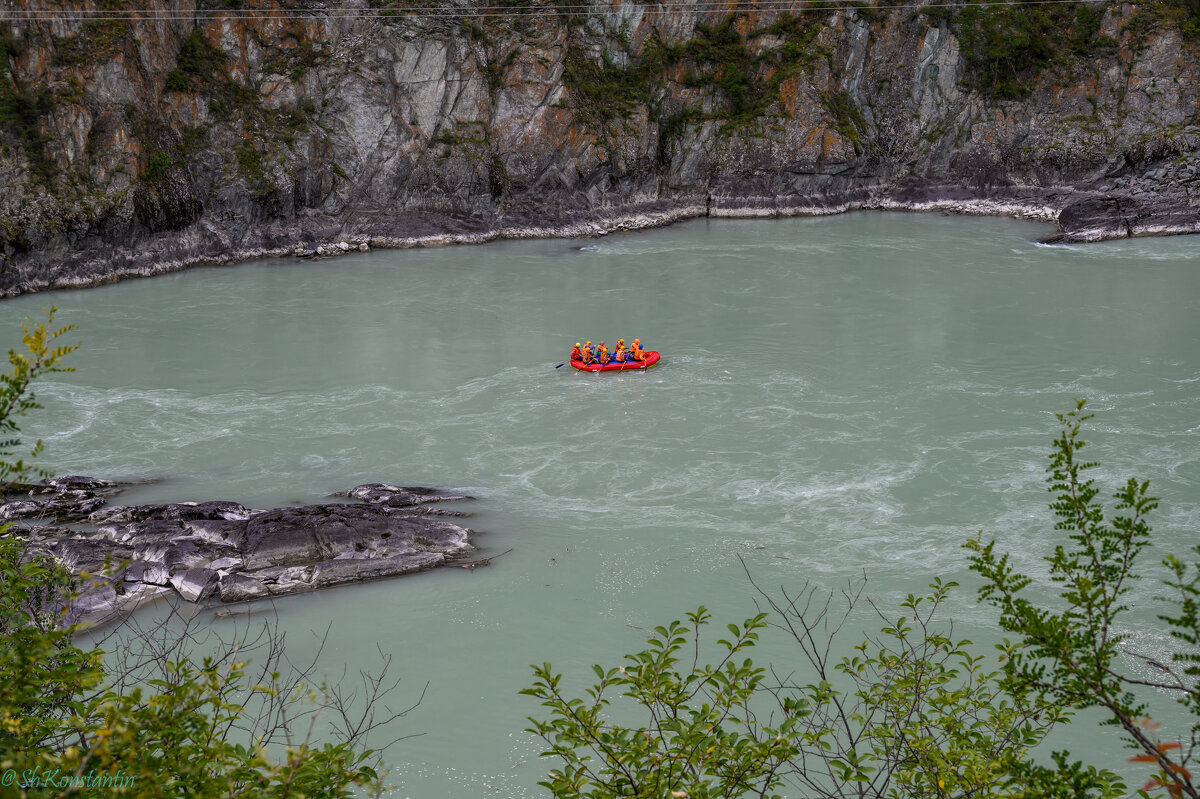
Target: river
(837,394)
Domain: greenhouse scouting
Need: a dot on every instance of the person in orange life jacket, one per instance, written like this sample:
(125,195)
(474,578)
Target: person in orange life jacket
(602,353)
(589,353)
(636,352)
(619,355)
(577,352)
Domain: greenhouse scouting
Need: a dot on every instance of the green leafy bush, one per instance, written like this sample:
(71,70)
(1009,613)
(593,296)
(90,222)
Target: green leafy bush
(1071,655)
(913,712)
(150,718)
(176,81)
(157,166)
(191,730)
(41,356)
(702,738)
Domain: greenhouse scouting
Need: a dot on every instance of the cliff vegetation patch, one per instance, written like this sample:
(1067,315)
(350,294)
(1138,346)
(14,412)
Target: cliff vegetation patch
(742,72)
(21,108)
(198,64)
(203,68)
(848,120)
(1006,48)
(1146,18)
(97,42)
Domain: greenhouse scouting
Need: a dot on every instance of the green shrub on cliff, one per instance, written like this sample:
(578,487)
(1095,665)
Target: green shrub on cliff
(1005,48)
(847,118)
(97,42)
(198,64)
(1183,14)
(602,89)
(744,78)
(1190,24)
(8,49)
(21,110)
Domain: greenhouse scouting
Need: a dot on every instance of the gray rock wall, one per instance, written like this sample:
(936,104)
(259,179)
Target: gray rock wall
(148,142)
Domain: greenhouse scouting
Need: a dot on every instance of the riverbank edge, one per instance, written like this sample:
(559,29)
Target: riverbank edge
(1102,216)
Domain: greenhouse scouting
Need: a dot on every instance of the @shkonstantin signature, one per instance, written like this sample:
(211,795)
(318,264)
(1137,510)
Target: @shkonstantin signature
(38,778)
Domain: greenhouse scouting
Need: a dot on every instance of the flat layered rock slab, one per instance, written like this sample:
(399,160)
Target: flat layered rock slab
(175,511)
(322,532)
(223,551)
(70,498)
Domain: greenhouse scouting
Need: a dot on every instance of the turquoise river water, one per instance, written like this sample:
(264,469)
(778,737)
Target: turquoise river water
(840,394)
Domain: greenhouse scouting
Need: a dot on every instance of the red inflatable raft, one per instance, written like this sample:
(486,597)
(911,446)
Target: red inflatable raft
(651,359)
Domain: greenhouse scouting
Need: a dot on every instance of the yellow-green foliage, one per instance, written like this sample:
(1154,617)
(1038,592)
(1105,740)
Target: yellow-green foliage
(41,355)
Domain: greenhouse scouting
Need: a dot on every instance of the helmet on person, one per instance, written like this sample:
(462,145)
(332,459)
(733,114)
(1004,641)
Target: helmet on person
(577,344)
(589,343)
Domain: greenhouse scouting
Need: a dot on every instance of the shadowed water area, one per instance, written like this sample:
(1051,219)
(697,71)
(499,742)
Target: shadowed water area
(850,393)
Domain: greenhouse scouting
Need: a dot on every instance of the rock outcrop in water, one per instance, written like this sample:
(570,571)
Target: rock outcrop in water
(144,141)
(225,552)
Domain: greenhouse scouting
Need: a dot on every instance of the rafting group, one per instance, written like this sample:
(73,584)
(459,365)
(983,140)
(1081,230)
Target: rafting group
(598,354)
(596,357)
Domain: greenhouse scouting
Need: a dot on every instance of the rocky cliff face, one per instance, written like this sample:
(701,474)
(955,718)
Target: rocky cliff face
(139,141)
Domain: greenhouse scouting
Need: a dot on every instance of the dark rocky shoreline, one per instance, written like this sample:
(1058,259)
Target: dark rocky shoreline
(131,555)
(1117,204)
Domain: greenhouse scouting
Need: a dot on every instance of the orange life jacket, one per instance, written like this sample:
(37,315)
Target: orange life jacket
(576,353)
